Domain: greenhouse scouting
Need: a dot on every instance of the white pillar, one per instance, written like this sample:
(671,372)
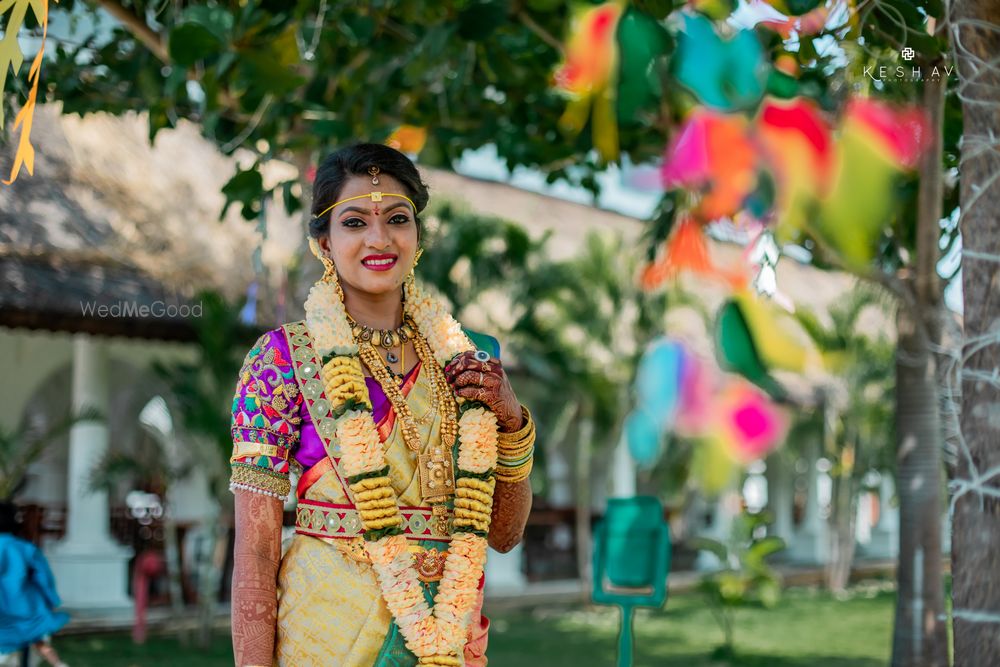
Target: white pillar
(560,489)
(726,507)
(623,470)
(884,542)
(504,572)
(780,497)
(811,541)
(91,569)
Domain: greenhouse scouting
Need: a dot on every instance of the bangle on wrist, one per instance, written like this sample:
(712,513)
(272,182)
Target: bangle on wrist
(526,425)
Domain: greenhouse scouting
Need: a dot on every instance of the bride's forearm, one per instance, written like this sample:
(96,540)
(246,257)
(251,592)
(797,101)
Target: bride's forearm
(511,506)
(257,554)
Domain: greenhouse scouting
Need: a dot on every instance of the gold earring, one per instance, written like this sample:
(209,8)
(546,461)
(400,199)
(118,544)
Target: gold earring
(329,268)
(411,277)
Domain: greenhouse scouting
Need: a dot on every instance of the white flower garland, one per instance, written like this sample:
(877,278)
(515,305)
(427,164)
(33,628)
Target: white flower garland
(436,636)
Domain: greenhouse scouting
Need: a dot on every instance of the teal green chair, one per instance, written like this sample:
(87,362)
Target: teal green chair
(631,561)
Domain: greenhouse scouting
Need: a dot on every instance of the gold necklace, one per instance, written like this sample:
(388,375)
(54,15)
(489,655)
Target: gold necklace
(442,400)
(437,479)
(385,338)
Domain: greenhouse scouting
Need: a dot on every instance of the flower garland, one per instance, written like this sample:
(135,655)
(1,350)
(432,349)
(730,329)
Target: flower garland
(435,636)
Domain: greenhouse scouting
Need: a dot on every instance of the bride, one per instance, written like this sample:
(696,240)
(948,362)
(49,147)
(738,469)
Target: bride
(413,449)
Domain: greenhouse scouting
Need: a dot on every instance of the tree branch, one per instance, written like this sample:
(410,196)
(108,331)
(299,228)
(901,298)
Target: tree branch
(542,33)
(138,27)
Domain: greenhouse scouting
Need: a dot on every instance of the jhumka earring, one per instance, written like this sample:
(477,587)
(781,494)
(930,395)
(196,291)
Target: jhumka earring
(411,277)
(329,268)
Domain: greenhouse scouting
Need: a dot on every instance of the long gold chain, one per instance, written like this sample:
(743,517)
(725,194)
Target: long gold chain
(442,397)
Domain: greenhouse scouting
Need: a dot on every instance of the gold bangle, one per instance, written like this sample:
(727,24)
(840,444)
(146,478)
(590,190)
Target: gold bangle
(506,470)
(515,452)
(514,479)
(515,445)
(521,433)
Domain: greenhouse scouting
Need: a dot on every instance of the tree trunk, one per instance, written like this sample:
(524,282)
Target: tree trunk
(584,537)
(976,519)
(844,510)
(919,635)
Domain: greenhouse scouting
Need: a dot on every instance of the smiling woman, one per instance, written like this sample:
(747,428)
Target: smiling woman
(414,449)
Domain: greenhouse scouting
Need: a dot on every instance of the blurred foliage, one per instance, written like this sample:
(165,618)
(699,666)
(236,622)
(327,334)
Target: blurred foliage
(22,446)
(576,327)
(744,576)
(202,388)
(293,80)
(864,430)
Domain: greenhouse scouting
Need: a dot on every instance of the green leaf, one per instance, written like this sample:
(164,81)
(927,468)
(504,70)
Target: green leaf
(359,28)
(714,547)
(481,18)
(769,592)
(191,42)
(761,549)
(245,187)
(216,20)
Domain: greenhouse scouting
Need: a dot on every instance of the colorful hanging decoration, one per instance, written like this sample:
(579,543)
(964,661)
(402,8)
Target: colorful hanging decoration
(726,74)
(408,139)
(749,425)
(877,142)
(713,155)
(658,387)
(769,329)
(644,437)
(745,426)
(737,352)
(698,391)
(808,24)
(588,75)
(11,58)
(687,250)
(798,145)
(643,44)
(658,380)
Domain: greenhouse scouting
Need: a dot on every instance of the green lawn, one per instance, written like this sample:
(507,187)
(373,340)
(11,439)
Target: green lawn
(807,629)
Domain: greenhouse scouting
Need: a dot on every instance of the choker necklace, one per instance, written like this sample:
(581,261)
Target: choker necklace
(384,338)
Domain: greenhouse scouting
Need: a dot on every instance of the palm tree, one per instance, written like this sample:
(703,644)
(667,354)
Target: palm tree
(857,431)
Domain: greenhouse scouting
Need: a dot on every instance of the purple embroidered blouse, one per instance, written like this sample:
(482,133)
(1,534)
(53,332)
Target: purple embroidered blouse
(271,423)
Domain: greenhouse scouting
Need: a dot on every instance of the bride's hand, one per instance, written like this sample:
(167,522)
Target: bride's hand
(486,382)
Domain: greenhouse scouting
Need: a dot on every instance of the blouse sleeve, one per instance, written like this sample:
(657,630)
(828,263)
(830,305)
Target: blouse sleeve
(266,418)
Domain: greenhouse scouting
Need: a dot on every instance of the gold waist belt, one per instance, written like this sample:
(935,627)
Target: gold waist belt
(320,519)
(340,525)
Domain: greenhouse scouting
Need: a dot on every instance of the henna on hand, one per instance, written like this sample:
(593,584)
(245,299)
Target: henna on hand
(511,506)
(257,554)
(486,382)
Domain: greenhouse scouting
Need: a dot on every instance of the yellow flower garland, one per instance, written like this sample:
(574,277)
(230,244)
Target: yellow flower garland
(435,636)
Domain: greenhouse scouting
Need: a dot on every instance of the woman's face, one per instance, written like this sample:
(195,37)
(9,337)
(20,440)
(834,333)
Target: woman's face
(373,244)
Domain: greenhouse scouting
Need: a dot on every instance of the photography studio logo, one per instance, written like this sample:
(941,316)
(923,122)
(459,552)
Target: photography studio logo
(907,69)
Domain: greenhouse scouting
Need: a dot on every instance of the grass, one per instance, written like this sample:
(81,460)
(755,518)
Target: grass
(807,629)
